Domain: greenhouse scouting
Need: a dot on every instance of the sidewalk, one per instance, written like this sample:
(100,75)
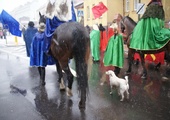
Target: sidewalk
(12,41)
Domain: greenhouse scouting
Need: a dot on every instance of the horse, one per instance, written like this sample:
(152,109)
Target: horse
(71,40)
(129,24)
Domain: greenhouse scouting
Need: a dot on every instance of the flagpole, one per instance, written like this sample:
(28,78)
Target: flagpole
(6,40)
(139,10)
(16,40)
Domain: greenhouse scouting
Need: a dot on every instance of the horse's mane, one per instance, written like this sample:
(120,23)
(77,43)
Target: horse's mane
(130,20)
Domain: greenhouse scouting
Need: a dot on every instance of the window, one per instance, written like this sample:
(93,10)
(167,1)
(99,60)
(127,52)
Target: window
(88,13)
(127,5)
(92,12)
(135,4)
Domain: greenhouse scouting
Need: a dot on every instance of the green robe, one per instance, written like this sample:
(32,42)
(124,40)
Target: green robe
(114,54)
(95,44)
(149,33)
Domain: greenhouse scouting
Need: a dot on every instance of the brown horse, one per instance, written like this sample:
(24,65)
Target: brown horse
(71,40)
(128,24)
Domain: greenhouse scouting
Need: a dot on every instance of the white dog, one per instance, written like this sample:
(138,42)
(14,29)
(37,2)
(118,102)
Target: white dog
(121,84)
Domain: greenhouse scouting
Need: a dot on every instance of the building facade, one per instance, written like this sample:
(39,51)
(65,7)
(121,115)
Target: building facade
(27,12)
(123,7)
(107,17)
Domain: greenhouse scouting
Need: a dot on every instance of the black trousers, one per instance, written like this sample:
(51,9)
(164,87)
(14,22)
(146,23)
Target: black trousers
(41,71)
(117,71)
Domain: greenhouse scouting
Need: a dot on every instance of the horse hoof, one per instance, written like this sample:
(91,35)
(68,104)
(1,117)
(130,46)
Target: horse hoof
(82,105)
(127,72)
(165,78)
(143,77)
(42,82)
(101,83)
(62,86)
(69,92)
(136,62)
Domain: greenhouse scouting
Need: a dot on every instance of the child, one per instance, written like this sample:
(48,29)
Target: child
(38,57)
(114,55)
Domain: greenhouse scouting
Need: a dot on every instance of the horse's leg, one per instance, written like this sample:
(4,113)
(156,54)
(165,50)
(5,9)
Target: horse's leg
(70,80)
(167,58)
(167,53)
(158,66)
(117,71)
(60,77)
(130,60)
(82,79)
(143,65)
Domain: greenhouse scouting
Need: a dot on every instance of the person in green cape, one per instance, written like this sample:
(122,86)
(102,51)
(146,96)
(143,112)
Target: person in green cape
(149,33)
(114,54)
(95,43)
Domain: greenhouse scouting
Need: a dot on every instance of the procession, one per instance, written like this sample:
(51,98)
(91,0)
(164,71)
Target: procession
(81,61)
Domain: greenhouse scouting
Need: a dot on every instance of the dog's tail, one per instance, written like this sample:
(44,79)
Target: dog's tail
(126,79)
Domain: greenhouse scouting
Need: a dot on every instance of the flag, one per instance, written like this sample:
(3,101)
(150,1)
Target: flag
(9,22)
(0,18)
(99,9)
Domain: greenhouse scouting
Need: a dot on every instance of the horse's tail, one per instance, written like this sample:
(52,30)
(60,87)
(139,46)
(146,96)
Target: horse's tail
(80,50)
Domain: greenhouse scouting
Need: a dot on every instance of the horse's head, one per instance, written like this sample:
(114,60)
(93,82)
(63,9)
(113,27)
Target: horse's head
(128,24)
(42,22)
(122,26)
(42,18)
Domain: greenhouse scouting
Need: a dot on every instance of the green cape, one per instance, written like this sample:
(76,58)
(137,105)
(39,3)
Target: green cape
(149,34)
(114,54)
(95,44)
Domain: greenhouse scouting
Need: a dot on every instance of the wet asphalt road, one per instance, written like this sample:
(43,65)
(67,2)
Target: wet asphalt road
(23,98)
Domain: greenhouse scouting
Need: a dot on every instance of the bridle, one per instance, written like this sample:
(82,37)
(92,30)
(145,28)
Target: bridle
(122,23)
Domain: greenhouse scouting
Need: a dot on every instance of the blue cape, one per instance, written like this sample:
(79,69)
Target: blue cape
(38,57)
(10,23)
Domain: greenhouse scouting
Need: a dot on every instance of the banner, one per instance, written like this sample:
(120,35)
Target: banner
(99,9)
(9,22)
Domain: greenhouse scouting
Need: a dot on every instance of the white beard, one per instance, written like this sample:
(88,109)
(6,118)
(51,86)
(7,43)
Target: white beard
(57,11)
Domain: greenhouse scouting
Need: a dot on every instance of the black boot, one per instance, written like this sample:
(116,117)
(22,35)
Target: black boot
(158,66)
(117,71)
(39,70)
(42,75)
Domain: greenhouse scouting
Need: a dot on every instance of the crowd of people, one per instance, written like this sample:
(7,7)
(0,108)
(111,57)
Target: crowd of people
(3,33)
(149,30)
(35,41)
(108,41)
